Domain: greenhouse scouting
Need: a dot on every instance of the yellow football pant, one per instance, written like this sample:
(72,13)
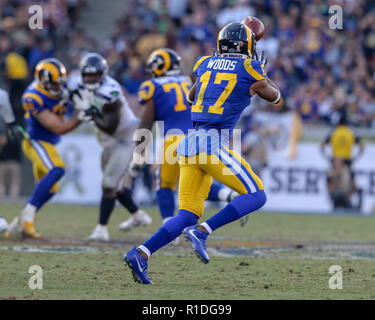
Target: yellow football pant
(225,165)
(167,173)
(44,157)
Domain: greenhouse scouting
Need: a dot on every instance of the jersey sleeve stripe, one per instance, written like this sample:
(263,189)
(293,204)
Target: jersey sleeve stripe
(146,92)
(251,71)
(35,97)
(198,63)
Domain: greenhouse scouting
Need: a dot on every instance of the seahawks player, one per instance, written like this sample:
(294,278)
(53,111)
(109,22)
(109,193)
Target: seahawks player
(225,84)
(101,101)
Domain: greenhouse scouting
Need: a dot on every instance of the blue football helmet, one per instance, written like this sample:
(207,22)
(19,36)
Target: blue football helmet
(94,68)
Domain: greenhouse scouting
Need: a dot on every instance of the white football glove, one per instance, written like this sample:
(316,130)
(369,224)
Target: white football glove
(81,100)
(137,163)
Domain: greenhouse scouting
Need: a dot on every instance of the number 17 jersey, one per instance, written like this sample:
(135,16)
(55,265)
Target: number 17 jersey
(223,90)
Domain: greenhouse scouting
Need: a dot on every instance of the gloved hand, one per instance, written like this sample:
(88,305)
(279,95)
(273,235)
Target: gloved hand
(89,114)
(15,131)
(261,57)
(80,100)
(136,165)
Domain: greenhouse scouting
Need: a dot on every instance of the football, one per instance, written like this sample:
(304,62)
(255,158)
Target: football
(3,225)
(255,25)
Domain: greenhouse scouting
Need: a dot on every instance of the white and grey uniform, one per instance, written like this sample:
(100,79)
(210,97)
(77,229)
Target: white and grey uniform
(6,110)
(118,147)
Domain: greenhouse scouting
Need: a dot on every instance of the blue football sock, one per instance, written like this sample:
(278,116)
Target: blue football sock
(42,192)
(166,202)
(214,192)
(171,230)
(106,207)
(126,199)
(237,208)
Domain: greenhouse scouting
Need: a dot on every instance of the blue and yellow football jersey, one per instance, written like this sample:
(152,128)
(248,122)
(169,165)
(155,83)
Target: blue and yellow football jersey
(34,100)
(169,95)
(223,92)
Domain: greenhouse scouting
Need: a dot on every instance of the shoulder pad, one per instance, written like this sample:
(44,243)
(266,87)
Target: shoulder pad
(32,102)
(199,62)
(146,91)
(255,69)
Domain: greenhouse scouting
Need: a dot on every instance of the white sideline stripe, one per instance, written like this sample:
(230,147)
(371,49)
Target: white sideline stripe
(238,170)
(42,153)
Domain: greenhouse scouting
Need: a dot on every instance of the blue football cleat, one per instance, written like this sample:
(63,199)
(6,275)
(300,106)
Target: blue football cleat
(198,241)
(138,265)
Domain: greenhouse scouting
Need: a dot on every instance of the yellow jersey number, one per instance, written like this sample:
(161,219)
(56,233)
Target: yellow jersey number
(59,110)
(179,89)
(205,79)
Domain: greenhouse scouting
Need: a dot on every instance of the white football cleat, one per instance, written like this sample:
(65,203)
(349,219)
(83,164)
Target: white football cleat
(137,219)
(100,233)
(14,228)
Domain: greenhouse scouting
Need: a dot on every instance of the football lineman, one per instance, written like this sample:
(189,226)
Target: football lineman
(101,101)
(45,102)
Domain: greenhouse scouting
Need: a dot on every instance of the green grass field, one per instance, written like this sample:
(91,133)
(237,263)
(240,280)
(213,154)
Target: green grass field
(274,256)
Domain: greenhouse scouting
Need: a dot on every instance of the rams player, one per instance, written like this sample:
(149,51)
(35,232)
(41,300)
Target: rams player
(102,101)
(45,105)
(164,99)
(222,91)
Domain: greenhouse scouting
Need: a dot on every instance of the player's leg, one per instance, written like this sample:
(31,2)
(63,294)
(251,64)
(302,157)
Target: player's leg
(108,199)
(194,187)
(138,217)
(233,171)
(48,169)
(219,192)
(166,177)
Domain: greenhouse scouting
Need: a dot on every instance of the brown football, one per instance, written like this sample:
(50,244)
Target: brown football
(255,25)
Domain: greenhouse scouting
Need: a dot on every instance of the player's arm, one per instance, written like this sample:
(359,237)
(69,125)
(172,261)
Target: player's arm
(191,95)
(53,123)
(267,90)
(109,119)
(147,117)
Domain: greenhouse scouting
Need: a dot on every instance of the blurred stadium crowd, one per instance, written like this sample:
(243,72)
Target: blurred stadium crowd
(319,70)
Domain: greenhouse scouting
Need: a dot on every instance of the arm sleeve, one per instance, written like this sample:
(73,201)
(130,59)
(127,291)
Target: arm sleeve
(146,91)
(198,63)
(32,103)
(255,69)
(6,110)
